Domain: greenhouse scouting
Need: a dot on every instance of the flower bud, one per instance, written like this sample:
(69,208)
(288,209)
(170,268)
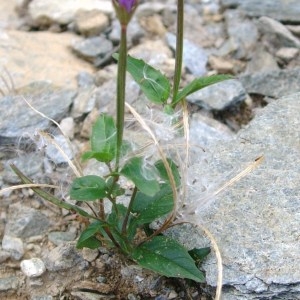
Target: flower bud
(125,9)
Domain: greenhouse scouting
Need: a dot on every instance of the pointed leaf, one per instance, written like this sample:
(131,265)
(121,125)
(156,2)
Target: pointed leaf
(87,238)
(198,254)
(103,140)
(198,84)
(142,175)
(88,188)
(149,208)
(48,197)
(152,82)
(163,172)
(167,257)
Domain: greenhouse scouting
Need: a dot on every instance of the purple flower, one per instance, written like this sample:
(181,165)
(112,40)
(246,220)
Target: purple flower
(127,4)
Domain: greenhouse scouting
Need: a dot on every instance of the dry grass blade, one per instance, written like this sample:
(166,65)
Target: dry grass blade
(29,185)
(143,124)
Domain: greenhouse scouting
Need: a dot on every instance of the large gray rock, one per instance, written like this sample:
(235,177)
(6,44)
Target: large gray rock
(281,10)
(256,221)
(277,33)
(21,121)
(220,95)
(273,84)
(243,33)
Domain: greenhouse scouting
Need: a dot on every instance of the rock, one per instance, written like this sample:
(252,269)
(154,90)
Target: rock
(277,34)
(45,54)
(153,25)
(90,254)
(44,297)
(24,222)
(14,246)
(274,84)
(204,130)
(9,283)
(287,54)
(84,102)
(149,9)
(261,60)
(4,255)
(48,12)
(30,164)
(135,32)
(54,102)
(194,57)
(85,79)
(281,10)
(221,65)
(220,95)
(242,32)
(55,148)
(67,126)
(93,48)
(59,237)
(33,267)
(91,23)
(255,224)
(63,257)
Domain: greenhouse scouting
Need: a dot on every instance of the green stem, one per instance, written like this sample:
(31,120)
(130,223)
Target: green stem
(128,210)
(179,49)
(121,82)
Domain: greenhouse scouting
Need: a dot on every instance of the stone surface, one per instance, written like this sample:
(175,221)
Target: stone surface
(47,12)
(45,54)
(243,33)
(25,221)
(93,48)
(255,224)
(14,246)
(261,60)
(54,150)
(220,95)
(30,164)
(46,98)
(194,57)
(59,237)
(91,23)
(273,84)
(282,10)
(277,34)
(63,257)
(287,54)
(84,102)
(33,267)
(9,283)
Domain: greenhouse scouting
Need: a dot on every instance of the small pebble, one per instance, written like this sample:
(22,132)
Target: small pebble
(33,267)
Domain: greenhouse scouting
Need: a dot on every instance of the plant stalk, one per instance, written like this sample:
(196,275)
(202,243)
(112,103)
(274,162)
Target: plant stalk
(121,83)
(129,210)
(179,49)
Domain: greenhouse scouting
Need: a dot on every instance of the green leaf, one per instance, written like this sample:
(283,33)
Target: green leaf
(50,198)
(103,140)
(150,208)
(87,238)
(167,257)
(198,84)
(163,171)
(88,188)
(152,82)
(142,175)
(114,188)
(199,254)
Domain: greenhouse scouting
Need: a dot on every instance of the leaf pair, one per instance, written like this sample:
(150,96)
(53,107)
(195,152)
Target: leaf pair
(157,87)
